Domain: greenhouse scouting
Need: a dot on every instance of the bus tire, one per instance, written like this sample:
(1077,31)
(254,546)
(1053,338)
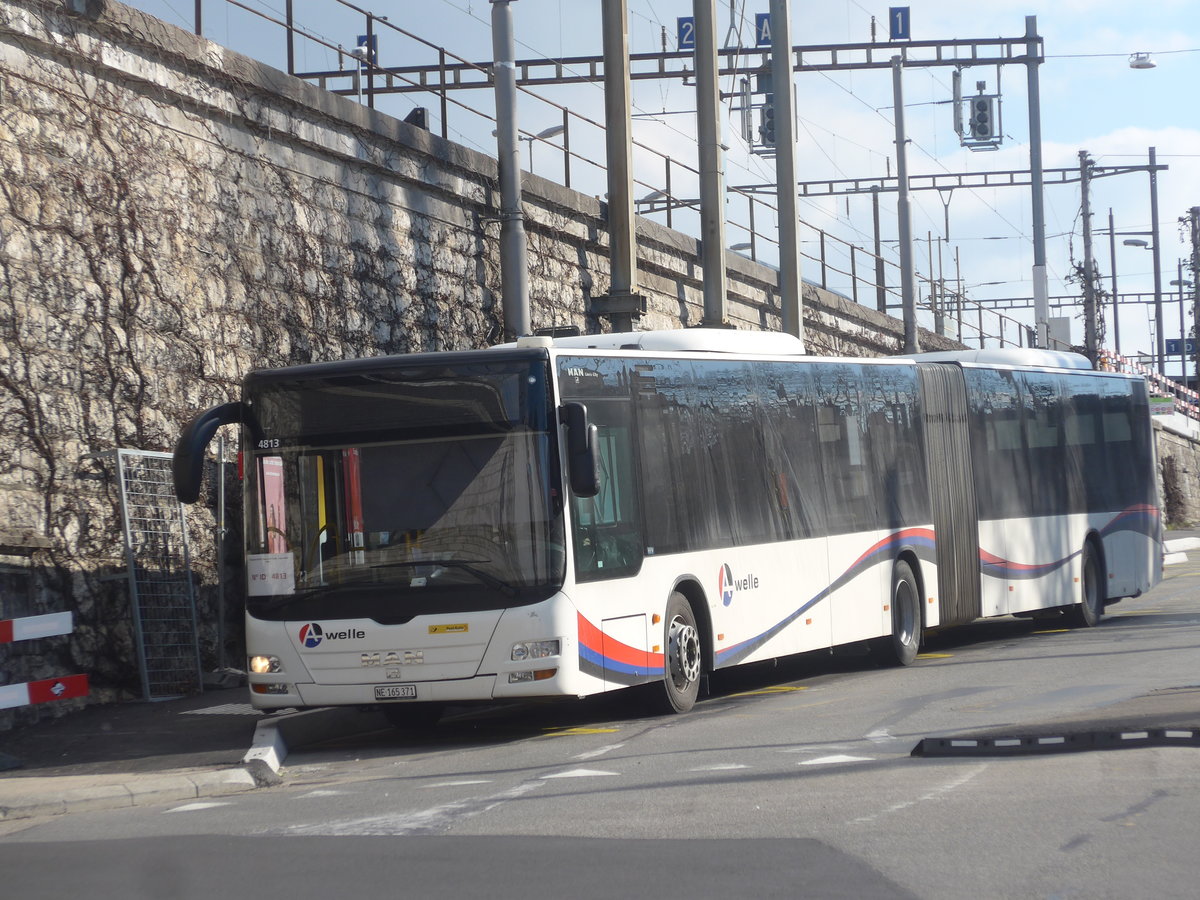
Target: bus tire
(900,648)
(413,716)
(681,658)
(1088,612)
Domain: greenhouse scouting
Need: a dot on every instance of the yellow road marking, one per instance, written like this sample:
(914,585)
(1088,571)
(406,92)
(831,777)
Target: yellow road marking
(1052,631)
(934,655)
(777,689)
(571,732)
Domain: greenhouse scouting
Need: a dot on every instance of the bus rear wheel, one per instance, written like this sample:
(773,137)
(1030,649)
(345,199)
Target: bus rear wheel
(681,659)
(900,648)
(1087,613)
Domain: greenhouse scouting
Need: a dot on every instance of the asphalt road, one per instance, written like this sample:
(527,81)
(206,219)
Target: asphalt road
(794,780)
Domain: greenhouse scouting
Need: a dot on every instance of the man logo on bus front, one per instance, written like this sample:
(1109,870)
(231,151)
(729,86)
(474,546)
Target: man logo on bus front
(310,635)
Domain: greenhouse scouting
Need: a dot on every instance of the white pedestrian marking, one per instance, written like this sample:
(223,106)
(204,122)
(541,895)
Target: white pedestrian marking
(579,773)
(879,736)
(322,793)
(719,767)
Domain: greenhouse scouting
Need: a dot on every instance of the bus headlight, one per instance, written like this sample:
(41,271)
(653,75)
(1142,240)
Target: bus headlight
(523,650)
(265,665)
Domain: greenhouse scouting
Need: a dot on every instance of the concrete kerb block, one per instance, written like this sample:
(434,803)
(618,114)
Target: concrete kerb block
(273,736)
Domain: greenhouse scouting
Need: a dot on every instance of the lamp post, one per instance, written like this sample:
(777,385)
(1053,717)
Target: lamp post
(1129,241)
(1181,283)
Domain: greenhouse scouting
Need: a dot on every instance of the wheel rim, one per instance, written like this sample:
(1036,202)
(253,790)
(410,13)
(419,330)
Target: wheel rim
(683,644)
(904,610)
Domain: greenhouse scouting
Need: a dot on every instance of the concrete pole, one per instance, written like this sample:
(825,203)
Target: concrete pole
(908,290)
(1091,337)
(791,298)
(1159,337)
(514,266)
(622,305)
(712,168)
(1041,288)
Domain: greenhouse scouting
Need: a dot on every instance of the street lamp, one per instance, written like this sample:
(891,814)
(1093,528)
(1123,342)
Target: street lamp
(553,131)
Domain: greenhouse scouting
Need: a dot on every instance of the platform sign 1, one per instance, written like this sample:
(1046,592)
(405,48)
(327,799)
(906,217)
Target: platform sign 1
(1173,346)
(372,51)
(762,29)
(686,32)
(898,23)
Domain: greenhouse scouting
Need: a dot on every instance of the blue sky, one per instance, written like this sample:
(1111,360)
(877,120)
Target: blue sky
(1091,99)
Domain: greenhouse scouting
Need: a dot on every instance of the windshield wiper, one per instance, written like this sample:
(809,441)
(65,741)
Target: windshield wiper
(465,564)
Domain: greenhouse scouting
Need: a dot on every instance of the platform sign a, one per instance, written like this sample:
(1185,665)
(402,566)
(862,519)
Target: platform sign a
(898,23)
(685,35)
(762,29)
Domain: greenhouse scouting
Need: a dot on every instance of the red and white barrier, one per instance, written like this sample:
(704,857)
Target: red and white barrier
(43,691)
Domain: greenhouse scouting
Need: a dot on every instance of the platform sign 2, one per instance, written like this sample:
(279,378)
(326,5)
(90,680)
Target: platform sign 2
(898,23)
(685,35)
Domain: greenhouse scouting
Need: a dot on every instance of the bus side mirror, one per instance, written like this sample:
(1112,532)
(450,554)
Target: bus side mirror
(187,464)
(582,465)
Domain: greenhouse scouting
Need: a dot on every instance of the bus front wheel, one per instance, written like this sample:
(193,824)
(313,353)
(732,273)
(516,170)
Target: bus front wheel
(681,658)
(901,646)
(1087,614)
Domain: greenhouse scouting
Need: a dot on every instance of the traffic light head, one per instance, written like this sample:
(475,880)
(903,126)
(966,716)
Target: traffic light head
(766,131)
(981,123)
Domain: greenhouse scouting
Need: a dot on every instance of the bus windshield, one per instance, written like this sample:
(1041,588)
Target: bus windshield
(405,491)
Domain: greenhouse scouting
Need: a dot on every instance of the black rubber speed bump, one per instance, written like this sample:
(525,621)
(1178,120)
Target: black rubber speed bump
(1022,745)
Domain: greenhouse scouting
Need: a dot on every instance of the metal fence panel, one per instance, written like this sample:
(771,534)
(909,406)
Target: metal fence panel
(161,593)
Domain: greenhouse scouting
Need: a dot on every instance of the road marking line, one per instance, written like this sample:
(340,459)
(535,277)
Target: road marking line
(456,783)
(196,807)
(719,767)
(831,760)
(934,655)
(592,754)
(573,732)
(579,773)
(931,795)
(879,736)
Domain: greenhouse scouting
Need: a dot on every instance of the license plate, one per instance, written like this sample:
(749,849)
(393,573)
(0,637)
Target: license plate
(396,692)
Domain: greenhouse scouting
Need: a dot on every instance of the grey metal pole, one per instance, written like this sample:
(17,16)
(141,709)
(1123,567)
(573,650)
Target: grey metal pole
(1041,289)
(712,175)
(791,299)
(1160,337)
(1090,331)
(908,292)
(1194,215)
(222,531)
(514,269)
(1112,255)
(880,274)
(622,304)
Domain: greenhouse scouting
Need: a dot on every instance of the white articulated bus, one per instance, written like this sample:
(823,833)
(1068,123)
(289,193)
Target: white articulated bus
(565,517)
